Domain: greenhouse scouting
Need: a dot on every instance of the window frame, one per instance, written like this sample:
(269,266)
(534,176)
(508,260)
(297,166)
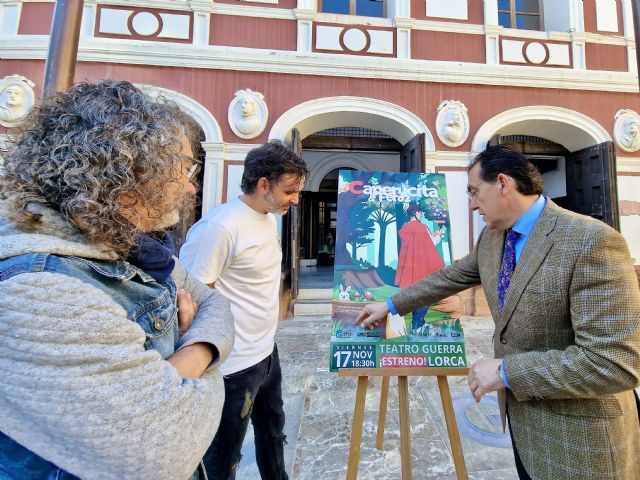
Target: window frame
(352,9)
(513,14)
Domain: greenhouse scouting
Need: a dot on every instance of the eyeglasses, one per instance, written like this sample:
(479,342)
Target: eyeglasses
(472,190)
(193,171)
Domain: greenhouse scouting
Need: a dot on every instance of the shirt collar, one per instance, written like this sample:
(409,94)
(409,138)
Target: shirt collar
(527,221)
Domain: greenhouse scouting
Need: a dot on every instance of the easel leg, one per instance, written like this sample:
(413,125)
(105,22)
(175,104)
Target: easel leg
(356,430)
(405,433)
(384,398)
(452,428)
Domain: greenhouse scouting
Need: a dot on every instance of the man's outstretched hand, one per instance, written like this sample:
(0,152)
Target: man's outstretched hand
(372,315)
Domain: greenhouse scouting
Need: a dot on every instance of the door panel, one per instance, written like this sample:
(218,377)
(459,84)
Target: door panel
(293,225)
(592,184)
(412,155)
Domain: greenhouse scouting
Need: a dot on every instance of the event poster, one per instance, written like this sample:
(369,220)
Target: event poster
(392,230)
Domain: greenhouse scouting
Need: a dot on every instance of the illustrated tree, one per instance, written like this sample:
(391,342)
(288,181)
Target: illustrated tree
(383,213)
(362,231)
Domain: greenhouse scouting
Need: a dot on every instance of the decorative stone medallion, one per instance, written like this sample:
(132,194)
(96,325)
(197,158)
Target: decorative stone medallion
(16,99)
(626,130)
(452,123)
(248,114)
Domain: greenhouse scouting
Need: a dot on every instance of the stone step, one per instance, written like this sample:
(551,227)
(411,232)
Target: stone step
(312,307)
(315,294)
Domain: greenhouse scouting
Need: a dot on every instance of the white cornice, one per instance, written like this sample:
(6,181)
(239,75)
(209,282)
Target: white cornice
(451,27)
(628,165)
(259,60)
(250,11)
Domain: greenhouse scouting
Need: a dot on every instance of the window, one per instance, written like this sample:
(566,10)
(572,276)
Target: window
(522,14)
(365,8)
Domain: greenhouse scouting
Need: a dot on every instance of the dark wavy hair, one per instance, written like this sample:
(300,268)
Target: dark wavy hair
(85,149)
(499,159)
(272,160)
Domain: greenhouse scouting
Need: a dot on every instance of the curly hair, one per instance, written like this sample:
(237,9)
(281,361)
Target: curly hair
(84,151)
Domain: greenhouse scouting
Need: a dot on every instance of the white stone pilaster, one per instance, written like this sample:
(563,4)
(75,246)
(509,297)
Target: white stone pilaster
(578,41)
(305,17)
(88,19)
(492,44)
(212,182)
(491,12)
(10,17)
(403,26)
(201,22)
(399,8)
(576,12)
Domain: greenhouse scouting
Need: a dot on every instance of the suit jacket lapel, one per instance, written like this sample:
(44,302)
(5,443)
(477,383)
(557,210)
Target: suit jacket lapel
(538,245)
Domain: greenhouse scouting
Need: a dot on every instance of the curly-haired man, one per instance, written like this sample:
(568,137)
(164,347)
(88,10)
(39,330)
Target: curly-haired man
(101,376)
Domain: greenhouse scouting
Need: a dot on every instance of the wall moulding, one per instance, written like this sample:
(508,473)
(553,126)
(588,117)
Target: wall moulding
(131,52)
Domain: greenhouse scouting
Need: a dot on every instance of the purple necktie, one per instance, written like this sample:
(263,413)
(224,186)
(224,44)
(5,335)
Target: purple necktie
(508,265)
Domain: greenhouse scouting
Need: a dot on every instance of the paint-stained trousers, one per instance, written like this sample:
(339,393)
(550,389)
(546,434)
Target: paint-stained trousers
(255,393)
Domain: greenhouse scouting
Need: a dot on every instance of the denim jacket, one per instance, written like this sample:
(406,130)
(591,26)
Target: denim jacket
(148,303)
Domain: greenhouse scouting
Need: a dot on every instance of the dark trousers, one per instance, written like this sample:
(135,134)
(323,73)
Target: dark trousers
(522,472)
(255,393)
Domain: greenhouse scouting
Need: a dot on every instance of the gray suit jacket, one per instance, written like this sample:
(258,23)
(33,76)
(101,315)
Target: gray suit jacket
(570,334)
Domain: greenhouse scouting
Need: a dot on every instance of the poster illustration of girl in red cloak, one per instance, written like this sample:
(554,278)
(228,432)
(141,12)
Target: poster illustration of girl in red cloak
(418,255)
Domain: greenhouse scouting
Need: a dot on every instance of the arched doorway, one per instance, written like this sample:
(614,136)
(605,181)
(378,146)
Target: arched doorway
(574,153)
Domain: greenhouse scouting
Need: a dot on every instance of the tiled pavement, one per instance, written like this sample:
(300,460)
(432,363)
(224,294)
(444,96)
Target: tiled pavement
(319,408)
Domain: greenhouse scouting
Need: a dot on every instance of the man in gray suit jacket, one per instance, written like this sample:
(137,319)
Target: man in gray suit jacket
(565,301)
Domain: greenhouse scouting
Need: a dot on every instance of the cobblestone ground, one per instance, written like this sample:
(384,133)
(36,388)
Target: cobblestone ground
(319,407)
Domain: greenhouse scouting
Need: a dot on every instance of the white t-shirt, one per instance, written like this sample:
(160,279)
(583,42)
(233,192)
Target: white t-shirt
(238,249)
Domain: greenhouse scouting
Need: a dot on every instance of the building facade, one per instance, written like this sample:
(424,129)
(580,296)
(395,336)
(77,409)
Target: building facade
(419,85)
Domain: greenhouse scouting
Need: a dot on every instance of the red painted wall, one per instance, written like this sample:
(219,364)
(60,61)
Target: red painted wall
(456,47)
(215,89)
(256,32)
(35,19)
(606,57)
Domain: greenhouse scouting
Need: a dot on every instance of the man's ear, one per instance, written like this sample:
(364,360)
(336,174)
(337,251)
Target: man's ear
(263,186)
(506,182)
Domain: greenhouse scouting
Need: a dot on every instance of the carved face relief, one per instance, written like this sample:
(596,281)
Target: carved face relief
(452,123)
(248,114)
(16,99)
(626,130)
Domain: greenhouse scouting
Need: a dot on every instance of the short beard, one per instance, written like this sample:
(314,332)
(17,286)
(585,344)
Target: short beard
(272,205)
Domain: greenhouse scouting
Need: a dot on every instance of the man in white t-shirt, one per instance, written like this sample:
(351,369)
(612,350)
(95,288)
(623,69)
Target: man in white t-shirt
(235,249)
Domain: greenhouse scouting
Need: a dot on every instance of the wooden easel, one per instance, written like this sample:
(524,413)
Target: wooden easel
(403,396)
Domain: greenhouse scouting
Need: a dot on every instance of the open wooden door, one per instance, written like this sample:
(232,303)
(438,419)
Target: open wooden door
(291,232)
(592,184)
(412,155)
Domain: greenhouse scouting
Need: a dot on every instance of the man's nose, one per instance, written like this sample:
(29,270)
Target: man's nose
(473,204)
(295,199)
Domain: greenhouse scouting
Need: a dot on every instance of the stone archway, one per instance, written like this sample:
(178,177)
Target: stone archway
(569,128)
(331,112)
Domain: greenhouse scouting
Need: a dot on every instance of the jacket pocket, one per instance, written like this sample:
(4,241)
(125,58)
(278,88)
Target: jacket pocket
(605,407)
